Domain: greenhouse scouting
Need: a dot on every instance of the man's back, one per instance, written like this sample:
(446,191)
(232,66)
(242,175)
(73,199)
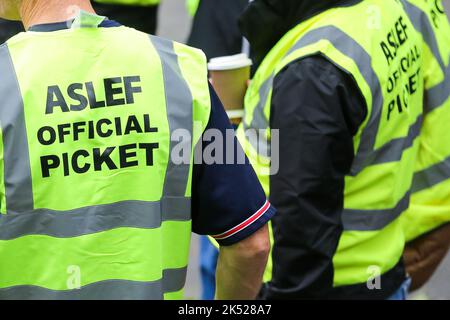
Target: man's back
(83,115)
(90,181)
(348,108)
(99,193)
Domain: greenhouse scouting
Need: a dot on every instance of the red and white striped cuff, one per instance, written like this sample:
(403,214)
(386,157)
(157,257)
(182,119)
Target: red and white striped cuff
(244,224)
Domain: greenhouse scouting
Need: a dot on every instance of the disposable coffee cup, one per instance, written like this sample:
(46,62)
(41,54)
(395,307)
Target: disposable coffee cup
(229,77)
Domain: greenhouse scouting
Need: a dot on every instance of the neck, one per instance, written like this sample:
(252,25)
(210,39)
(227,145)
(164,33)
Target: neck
(50,11)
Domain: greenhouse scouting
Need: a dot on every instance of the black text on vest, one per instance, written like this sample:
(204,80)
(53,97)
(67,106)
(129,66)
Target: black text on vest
(117,91)
(403,57)
(395,39)
(437,13)
(89,143)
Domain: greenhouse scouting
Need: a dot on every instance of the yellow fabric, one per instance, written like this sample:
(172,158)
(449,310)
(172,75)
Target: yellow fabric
(377,187)
(430,207)
(90,55)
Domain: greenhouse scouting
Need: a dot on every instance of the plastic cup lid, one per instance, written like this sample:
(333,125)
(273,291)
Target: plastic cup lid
(229,62)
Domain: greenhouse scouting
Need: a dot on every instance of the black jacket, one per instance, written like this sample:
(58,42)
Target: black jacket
(9,29)
(318,109)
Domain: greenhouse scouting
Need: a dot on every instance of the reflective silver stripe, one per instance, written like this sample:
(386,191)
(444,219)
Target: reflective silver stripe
(179,103)
(366,155)
(17,171)
(89,220)
(259,120)
(173,280)
(432,176)
(439,94)
(421,22)
(349,47)
(22,219)
(435,97)
(373,220)
(391,151)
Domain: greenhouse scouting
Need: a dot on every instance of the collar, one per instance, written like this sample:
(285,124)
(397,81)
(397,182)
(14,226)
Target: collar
(82,20)
(49,27)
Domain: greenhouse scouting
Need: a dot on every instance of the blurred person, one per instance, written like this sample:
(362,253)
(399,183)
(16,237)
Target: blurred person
(215,28)
(139,14)
(9,29)
(340,85)
(99,193)
(427,222)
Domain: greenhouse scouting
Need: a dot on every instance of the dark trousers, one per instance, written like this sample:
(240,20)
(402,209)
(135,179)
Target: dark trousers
(9,29)
(141,18)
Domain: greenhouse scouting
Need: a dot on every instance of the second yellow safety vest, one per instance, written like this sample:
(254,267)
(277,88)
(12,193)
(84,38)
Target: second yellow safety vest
(430,201)
(387,68)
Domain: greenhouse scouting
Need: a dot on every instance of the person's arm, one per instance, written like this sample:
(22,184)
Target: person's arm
(241,267)
(318,109)
(229,204)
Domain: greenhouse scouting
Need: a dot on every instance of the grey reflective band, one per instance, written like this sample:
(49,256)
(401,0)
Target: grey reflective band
(179,103)
(373,220)
(17,171)
(22,219)
(259,120)
(432,176)
(352,49)
(439,94)
(421,22)
(90,220)
(392,151)
(173,280)
(366,154)
(19,195)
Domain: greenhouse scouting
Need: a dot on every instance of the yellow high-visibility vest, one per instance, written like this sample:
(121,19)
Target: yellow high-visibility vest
(375,43)
(92,204)
(430,201)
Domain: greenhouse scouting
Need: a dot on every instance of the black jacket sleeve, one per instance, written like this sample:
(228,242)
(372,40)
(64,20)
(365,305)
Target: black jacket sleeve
(318,109)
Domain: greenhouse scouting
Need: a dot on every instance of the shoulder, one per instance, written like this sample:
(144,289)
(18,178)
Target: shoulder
(314,87)
(181,50)
(316,68)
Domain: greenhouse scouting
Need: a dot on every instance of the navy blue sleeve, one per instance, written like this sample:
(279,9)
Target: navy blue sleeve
(228,202)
